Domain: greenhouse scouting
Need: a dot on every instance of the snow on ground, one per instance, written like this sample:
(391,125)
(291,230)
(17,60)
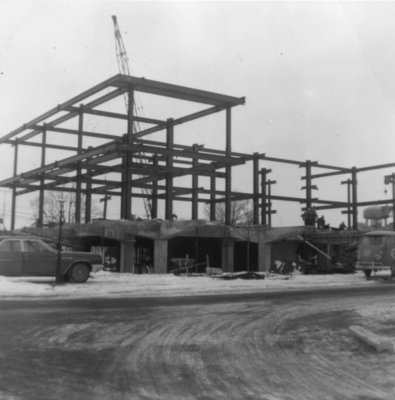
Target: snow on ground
(107,284)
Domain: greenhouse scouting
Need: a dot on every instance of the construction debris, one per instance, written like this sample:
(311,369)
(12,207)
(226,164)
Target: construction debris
(379,342)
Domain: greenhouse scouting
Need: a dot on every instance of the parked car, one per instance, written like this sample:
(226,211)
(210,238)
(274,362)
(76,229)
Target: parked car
(30,256)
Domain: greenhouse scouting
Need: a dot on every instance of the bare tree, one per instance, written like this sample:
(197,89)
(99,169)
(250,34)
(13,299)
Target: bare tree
(242,216)
(51,208)
(241,212)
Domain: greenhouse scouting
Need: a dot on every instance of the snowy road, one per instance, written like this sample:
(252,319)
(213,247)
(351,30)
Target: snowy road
(268,346)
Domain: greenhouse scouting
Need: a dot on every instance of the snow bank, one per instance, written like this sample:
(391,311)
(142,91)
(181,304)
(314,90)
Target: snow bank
(107,284)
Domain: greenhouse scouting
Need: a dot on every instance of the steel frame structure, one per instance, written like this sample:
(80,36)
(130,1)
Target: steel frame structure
(164,160)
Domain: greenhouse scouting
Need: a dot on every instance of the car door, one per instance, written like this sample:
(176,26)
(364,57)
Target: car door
(39,258)
(11,257)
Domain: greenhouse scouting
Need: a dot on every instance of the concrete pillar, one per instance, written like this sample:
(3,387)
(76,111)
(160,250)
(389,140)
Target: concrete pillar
(228,245)
(264,253)
(127,254)
(160,256)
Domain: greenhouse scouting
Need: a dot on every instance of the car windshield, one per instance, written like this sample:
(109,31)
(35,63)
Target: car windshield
(375,240)
(10,245)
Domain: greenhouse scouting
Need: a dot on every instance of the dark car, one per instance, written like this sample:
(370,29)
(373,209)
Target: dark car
(30,256)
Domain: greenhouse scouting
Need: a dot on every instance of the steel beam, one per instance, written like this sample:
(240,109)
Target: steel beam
(169,163)
(75,100)
(176,91)
(108,114)
(75,132)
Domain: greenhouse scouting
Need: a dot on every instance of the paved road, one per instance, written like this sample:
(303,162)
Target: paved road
(259,346)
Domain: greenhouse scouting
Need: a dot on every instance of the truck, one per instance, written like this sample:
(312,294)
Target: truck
(376,252)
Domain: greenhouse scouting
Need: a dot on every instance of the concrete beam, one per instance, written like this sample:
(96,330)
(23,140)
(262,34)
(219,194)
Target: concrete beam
(380,343)
(127,254)
(264,253)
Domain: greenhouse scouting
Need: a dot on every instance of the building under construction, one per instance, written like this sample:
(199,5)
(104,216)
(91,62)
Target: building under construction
(130,165)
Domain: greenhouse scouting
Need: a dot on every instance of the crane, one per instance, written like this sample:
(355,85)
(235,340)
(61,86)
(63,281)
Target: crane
(123,66)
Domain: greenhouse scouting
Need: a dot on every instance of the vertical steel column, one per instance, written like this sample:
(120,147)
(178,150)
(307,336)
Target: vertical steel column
(126,196)
(78,181)
(308,186)
(40,220)
(391,179)
(256,189)
(169,164)
(88,196)
(212,197)
(13,204)
(393,200)
(348,203)
(264,173)
(269,203)
(195,182)
(228,168)
(348,212)
(154,199)
(354,183)
(123,182)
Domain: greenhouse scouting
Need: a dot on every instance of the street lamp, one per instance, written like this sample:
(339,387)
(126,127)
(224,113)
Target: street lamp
(387,180)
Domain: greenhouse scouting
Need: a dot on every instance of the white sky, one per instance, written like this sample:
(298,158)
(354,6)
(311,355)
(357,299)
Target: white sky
(319,77)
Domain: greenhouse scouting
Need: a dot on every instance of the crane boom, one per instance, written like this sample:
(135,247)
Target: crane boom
(122,56)
(123,66)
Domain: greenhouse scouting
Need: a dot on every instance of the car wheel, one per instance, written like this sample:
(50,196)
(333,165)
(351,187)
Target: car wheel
(79,273)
